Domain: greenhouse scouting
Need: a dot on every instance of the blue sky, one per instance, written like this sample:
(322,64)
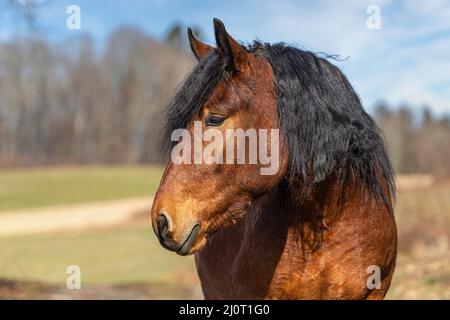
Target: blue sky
(407,60)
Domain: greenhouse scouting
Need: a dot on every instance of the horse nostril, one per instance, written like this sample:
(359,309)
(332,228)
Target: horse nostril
(162,222)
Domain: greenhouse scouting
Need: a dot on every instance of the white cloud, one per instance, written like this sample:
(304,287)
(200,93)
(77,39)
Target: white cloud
(406,61)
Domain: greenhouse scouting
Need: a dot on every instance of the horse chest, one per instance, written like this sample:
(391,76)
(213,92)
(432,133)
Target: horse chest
(253,267)
(274,267)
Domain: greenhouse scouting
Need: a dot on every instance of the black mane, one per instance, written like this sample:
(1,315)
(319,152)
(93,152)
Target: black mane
(327,130)
(198,86)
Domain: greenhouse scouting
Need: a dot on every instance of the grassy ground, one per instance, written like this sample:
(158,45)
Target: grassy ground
(423,264)
(128,254)
(33,188)
(121,257)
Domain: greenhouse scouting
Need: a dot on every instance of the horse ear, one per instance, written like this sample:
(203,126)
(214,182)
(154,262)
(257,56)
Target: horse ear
(233,54)
(199,48)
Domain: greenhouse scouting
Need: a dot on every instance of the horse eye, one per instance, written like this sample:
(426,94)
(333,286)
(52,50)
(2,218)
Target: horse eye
(214,120)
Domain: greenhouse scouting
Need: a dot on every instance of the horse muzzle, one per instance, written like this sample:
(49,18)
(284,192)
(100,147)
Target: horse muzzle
(165,234)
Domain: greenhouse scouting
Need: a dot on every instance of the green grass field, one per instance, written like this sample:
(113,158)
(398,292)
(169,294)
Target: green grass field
(31,188)
(118,259)
(122,255)
(124,262)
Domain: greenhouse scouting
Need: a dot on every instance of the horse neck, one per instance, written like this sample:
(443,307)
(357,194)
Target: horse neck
(304,215)
(321,203)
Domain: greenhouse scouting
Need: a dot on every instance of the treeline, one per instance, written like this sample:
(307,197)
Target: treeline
(77,103)
(70,104)
(418,142)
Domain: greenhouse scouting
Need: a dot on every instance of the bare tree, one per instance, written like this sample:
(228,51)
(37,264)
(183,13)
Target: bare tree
(74,104)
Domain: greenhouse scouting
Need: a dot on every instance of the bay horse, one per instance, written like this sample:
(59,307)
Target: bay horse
(314,230)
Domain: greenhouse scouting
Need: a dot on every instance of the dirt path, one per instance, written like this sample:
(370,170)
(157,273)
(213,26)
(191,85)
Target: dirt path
(101,214)
(71,217)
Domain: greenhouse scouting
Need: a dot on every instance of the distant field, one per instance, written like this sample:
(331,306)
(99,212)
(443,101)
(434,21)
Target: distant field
(31,188)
